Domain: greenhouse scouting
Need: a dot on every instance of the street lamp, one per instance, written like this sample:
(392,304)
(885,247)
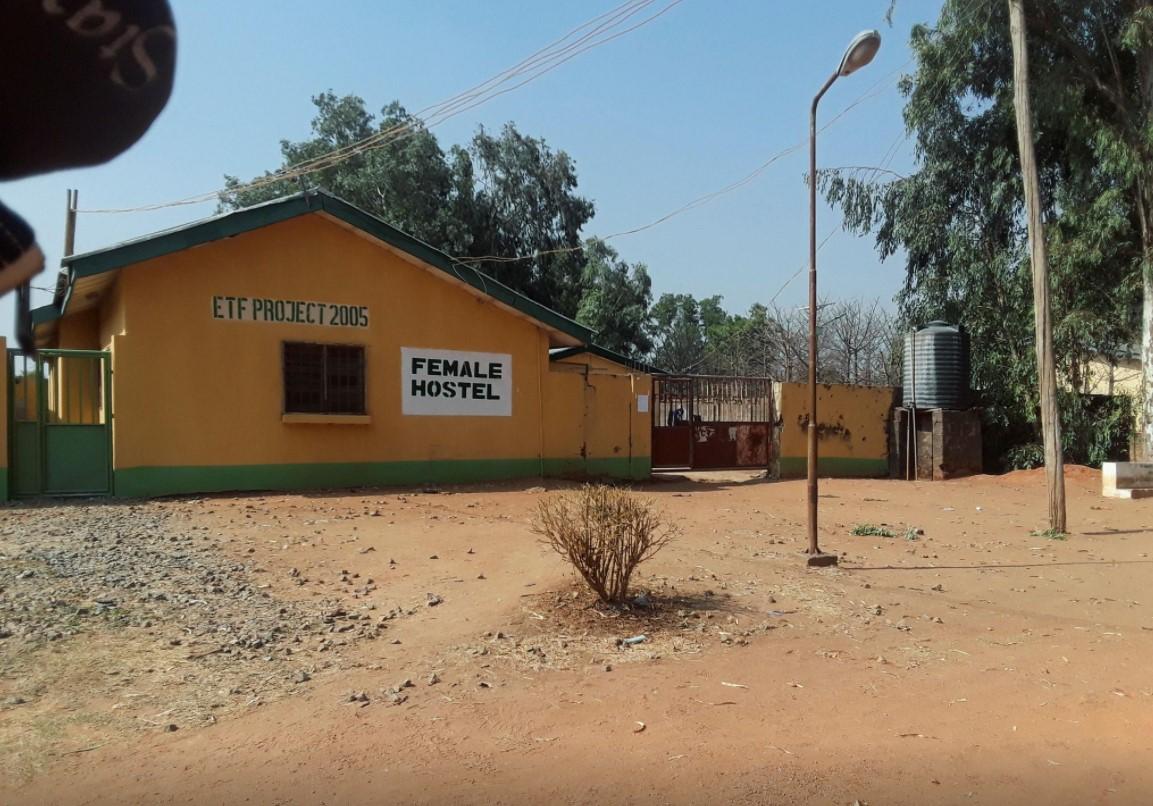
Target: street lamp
(859,53)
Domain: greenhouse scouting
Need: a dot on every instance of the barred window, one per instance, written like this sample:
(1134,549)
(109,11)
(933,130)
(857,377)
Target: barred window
(323,378)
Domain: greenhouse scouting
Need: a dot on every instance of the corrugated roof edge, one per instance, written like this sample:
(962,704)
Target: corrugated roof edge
(608,355)
(238,222)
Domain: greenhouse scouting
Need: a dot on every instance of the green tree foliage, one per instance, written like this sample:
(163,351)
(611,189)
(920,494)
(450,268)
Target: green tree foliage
(615,301)
(503,196)
(959,218)
(679,333)
(408,182)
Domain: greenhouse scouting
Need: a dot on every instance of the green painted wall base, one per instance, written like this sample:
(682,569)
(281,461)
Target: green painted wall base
(797,467)
(3,484)
(637,469)
(143,482)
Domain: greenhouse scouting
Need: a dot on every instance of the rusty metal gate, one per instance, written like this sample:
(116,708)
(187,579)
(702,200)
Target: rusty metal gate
(712,422)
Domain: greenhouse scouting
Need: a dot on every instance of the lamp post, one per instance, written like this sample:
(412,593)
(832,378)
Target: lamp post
(859,53)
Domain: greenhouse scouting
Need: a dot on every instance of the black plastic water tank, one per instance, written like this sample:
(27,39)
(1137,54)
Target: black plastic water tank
(937,367)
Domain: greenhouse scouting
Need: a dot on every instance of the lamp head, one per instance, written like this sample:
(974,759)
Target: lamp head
(860,52)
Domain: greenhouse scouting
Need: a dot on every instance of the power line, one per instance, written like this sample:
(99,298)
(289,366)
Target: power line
(599,31)
(890,154)
(542,62)
(873,91)
(697,202)
(700,200)
(474,96)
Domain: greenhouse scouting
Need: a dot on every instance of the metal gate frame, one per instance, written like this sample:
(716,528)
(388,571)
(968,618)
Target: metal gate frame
(703,421)
(44,428)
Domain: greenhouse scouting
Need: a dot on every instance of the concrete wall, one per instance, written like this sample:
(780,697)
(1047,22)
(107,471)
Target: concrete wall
(852,429)
(198,400)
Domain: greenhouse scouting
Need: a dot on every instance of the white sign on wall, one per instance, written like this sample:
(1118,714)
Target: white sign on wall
(451,383)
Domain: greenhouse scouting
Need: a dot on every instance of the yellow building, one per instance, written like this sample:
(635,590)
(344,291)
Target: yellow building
(1119,375)
(303,344)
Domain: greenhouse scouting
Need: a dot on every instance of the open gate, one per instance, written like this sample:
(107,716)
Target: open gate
(712,422)
(60,415)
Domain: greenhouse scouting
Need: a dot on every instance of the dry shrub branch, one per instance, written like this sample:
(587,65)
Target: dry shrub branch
(605,533)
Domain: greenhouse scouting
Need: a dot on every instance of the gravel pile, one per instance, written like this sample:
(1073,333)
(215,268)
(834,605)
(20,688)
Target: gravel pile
(66,569)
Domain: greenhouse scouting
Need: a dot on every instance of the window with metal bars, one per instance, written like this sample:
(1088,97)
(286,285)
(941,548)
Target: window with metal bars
(323,378)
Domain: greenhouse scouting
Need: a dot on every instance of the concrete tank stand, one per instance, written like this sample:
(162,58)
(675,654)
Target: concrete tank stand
(947,444)
(1127,479)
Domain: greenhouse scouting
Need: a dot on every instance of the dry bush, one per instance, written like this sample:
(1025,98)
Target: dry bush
(605,533)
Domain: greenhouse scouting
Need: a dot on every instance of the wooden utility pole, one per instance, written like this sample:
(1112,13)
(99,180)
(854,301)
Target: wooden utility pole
(70,223)
(1046,367)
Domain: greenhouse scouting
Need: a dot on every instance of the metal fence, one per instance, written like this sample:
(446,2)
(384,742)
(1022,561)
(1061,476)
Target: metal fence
(712,399)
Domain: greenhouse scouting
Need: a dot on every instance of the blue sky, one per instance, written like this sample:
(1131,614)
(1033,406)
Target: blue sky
(680,108)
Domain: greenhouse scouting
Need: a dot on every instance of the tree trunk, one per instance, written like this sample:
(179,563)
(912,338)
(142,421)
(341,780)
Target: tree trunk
(1046,367)
(1146,414)
(1144,205)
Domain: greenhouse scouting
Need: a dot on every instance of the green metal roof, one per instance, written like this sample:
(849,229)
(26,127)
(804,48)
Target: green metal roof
(608,355)
(248,219)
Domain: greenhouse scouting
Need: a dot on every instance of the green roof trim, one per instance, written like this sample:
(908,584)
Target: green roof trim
(608,355)
(230,225)
(45,314)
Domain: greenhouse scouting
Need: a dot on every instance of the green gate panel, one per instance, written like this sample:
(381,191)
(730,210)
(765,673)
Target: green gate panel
(60,434)
(24,472)
(76,459)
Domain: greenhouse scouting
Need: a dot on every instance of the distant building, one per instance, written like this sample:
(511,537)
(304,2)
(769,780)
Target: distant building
(1118,374)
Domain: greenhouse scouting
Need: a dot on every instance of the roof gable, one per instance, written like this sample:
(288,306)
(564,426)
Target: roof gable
(229,225)
(562,353)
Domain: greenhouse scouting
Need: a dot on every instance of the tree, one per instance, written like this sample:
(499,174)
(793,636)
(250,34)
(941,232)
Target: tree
(1039,260)
(857,343)
(615,301)
(407,182)
(860,345)
(680,332)
(506,202)
(959,218)
(524,202)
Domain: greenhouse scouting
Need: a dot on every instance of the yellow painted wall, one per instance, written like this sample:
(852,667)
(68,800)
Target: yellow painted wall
(853,429)
(201,399)
(25,397)
(112,316)
(80,331)
(592,416)
(564,406)
(74,384)
(1120,378)
(4,420)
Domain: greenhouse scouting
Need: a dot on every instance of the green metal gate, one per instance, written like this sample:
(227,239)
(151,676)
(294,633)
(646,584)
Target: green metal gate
(60,416)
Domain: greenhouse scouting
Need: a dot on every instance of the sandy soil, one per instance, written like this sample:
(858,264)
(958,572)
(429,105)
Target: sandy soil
(977,664)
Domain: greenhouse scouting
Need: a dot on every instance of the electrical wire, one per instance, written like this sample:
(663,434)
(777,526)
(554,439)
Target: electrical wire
(439,112)
(597,32)
(874,90)
(890,153)
(475,95)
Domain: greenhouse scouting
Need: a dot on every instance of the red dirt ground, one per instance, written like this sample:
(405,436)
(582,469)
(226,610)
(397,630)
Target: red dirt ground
(978,664)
